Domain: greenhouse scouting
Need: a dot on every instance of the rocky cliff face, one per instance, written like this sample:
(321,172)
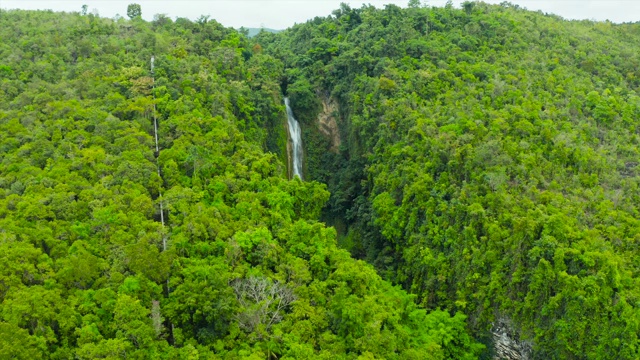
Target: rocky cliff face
(506,345)
(327,123)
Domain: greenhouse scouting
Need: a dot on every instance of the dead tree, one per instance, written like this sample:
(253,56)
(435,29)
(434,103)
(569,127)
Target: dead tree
(263,304)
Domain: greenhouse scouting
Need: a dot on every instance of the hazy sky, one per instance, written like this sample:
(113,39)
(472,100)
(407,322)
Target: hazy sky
(280,14)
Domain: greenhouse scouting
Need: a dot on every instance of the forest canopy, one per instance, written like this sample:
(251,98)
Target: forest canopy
(471,182)
(117,243)
(488,163)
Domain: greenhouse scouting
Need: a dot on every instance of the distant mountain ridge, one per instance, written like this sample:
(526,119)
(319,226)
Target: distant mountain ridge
(255,31)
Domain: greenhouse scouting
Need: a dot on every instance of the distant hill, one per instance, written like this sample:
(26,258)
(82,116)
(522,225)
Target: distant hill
(255,31)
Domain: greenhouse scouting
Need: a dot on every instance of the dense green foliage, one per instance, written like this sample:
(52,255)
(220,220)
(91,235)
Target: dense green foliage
(241,268)
(489,163)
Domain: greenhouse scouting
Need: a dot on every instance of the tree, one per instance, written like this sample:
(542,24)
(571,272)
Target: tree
(468,6)
(84,9)
(263,303)
(134,11)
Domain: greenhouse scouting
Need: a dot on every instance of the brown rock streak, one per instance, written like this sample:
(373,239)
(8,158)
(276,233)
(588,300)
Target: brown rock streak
(327,123)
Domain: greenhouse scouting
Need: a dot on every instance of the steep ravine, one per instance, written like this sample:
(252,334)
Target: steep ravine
(347,166)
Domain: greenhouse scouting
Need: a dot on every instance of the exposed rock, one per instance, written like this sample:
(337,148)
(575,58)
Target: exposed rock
(506,344)
(327,123)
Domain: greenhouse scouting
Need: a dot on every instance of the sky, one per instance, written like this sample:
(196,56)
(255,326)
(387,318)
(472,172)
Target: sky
(279,14)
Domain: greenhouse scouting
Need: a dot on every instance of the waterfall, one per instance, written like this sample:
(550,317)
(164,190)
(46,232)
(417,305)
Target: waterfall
(296,141)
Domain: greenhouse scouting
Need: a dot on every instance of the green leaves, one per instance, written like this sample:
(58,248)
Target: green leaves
(239,266)
(17,343)
(479,175)
(134,11)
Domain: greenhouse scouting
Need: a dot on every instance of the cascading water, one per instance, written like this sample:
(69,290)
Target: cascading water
(296,141)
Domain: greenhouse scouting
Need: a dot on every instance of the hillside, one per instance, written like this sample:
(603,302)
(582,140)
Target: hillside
(487,162)
(472,187)
(120,240)
(251,32)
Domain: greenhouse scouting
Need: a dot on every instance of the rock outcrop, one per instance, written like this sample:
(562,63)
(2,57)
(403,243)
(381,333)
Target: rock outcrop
(506,346)
(327,123)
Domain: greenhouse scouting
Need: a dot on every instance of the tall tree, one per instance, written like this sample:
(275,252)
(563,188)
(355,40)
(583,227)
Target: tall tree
(134,11)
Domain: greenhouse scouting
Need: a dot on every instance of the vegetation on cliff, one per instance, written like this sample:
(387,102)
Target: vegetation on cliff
(489,163)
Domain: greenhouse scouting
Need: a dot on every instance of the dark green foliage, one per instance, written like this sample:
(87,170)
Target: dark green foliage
(134,11)
(489,163)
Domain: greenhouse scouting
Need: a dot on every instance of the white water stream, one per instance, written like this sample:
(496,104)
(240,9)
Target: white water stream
(296,141)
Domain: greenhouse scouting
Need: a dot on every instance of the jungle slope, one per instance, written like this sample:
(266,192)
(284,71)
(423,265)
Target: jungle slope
(236,266)
(488,163)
